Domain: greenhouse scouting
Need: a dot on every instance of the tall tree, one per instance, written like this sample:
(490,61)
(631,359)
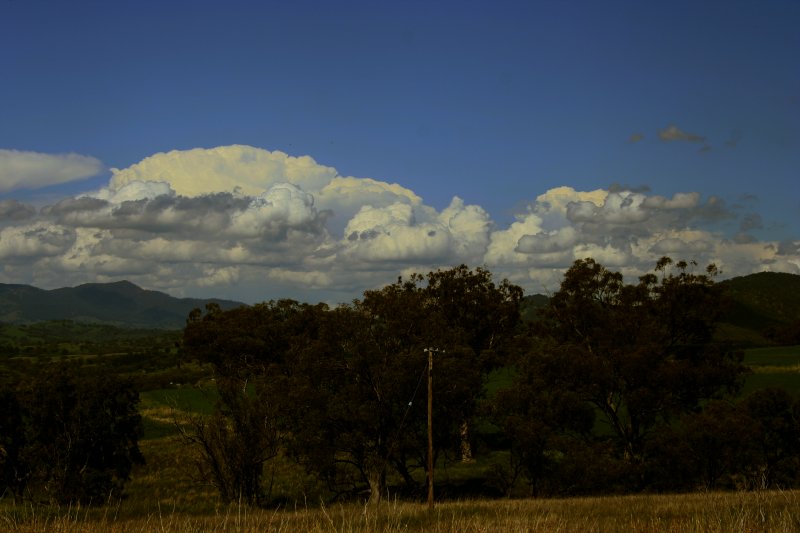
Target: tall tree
(248,348)
(640,354)
(477,318)
(359,385)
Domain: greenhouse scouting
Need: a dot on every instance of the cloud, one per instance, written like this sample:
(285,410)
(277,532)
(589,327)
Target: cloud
(678,201)
(237,168)
(12,210)
(256,225)
(751,221)
(673,133)
(548,242)
(34,170)
(134,190)
(393,234)
(34,241)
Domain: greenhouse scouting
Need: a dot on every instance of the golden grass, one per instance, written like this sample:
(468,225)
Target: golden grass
(701,512)
(775,369)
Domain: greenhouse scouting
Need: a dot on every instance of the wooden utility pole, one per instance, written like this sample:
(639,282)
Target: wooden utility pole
(430,427)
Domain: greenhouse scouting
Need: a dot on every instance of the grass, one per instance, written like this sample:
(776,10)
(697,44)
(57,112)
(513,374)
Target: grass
(774,356)
(777,366)
(699,512)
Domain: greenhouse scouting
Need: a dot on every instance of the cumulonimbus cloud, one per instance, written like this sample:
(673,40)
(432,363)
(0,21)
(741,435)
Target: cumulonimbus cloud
(248,223)
(34,170)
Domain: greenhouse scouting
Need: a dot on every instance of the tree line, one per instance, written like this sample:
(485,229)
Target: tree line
(68,437)
(614,387)
(617,387)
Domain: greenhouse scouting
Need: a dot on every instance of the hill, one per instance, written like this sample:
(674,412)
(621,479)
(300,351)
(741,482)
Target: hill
(764,308)
(120,303)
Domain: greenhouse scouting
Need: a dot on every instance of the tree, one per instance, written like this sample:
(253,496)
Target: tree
(478,318)
(542,424)
(343,385)
(721,441)
(69,438)
(777,417)
(639,354)
(14,471)
(248,347)
(358,385)
(234,442)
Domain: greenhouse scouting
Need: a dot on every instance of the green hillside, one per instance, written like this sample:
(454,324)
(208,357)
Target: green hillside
(764,308)
(120,303)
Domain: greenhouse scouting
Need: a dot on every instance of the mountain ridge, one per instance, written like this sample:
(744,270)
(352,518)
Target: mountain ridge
(119,303)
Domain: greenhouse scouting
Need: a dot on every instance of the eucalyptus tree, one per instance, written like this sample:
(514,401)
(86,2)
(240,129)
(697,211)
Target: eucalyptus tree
(248,348)
(639,354)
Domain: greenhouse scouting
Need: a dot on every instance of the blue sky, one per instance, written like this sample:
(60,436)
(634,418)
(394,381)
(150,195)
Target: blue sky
(314,149)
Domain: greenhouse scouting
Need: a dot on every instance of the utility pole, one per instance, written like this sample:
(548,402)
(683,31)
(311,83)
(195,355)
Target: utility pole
(430,424)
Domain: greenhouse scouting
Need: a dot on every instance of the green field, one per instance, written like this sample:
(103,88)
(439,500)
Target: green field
(773,367)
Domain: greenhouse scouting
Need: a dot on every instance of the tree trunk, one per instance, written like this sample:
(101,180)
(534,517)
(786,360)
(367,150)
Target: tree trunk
(377,484)
(466,446)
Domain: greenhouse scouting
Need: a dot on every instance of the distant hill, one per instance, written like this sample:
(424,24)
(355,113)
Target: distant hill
(121,304)
(764,308)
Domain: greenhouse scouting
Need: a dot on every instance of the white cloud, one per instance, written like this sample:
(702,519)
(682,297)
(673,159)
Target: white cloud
(251,224)
(237,168)
(272,212)
(218,276)
(393,234)
(34,170)
(470,227)
(351,193)
(34,241)
(503,244)
(134,190)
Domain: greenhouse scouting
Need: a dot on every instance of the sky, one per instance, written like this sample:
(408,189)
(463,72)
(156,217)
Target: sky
(313,150)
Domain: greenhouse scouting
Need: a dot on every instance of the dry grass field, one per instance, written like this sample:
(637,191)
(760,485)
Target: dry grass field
(718,512)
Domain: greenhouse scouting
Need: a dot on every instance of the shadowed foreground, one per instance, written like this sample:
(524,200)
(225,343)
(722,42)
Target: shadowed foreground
(743,511)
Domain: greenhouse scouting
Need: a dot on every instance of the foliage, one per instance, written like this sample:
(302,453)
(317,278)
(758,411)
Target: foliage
(641,356)
(776,437)
(342,383)
(68,437)
(247,348)
(235,442)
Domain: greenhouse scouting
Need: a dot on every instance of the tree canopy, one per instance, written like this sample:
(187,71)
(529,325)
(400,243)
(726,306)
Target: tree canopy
(343,384)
